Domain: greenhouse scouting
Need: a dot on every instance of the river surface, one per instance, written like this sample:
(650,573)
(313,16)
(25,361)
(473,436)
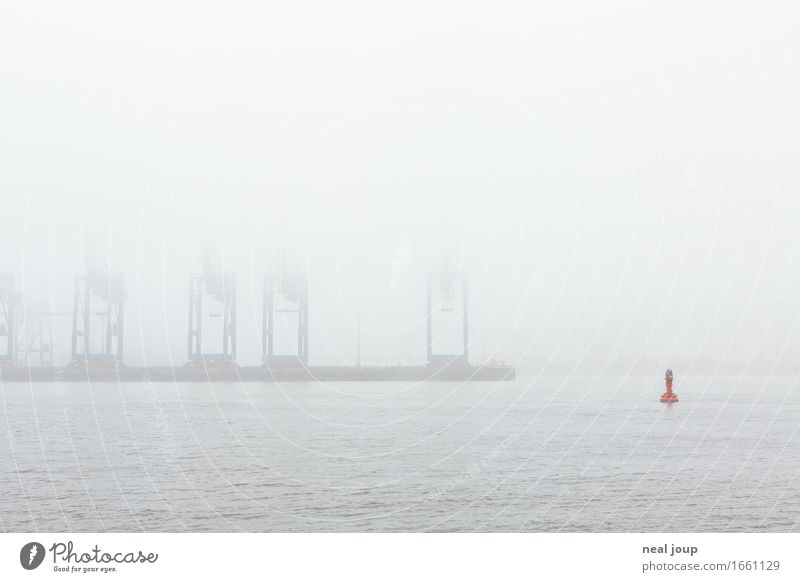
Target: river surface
(539,454)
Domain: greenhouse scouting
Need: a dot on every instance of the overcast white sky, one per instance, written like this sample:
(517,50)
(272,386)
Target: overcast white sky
(619,179)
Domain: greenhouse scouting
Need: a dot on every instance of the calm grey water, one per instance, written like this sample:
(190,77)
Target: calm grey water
(538,454)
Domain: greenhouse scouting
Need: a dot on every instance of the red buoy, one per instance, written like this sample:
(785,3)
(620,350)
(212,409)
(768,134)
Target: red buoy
(669,395)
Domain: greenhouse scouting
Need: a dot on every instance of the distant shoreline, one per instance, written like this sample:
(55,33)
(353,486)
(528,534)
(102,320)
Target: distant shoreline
(234,373)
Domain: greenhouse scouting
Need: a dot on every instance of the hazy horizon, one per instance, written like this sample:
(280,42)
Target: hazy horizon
(618,180)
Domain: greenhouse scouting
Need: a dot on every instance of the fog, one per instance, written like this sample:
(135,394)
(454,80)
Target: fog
(619,180)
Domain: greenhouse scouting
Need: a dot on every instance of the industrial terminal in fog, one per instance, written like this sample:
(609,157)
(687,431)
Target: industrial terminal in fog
(98,329)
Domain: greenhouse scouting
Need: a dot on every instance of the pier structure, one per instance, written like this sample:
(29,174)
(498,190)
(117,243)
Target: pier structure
(212,314)
(97,334)
(36,335)
(8,301)
(285,294)
(447,293)
(98,314)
